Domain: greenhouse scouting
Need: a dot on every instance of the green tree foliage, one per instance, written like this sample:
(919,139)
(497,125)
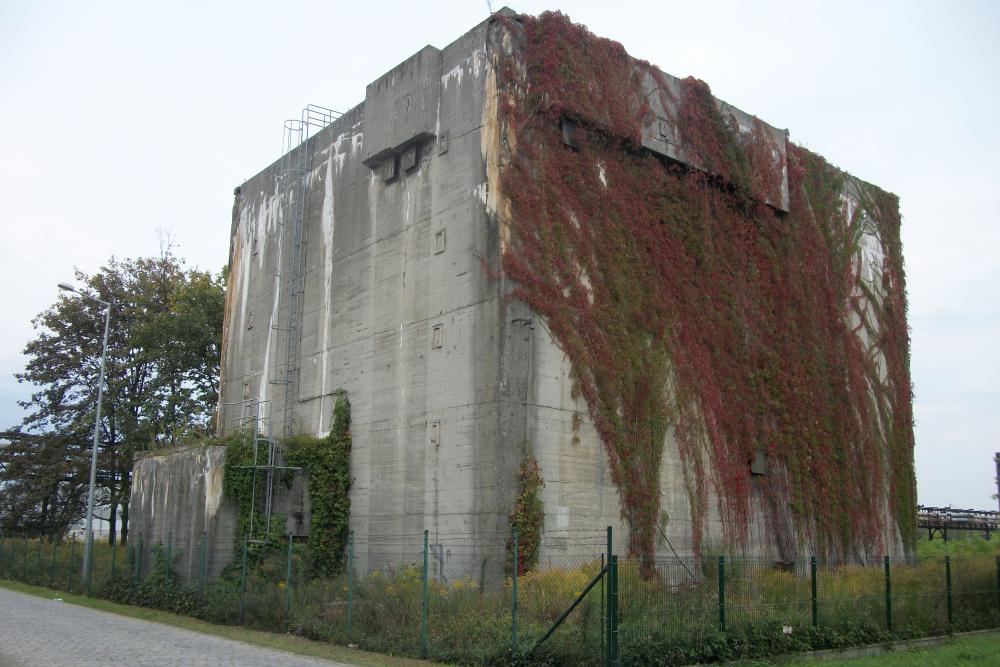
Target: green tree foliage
(161,382)
(44,478)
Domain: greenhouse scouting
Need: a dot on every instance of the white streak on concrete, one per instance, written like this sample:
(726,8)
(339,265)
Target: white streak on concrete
(481,191)
(327,222)
(265,377)
(213,472)
(474,63)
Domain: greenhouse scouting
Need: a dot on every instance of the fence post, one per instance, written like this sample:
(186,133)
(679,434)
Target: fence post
(607,618)
(24,561)
(89,558)
(947,585)
(12,570)
(114,559)
(38,560)
(138,561)
(243,582)
(288,582)
(170,553)
(888,597)
(204,562)
(423,608)
(722,593)
(350,582)
(52,566)
(72,557)
(604,609)
(998,581)
(513,593)
(613,613)
(815,607)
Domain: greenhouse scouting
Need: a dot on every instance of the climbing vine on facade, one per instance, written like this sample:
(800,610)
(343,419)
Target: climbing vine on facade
(328,464)
(239,486)
(690,308)
(527,517)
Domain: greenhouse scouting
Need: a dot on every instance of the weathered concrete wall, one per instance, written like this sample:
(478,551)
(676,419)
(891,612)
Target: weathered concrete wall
(178,498)
(398,309)
(448,378)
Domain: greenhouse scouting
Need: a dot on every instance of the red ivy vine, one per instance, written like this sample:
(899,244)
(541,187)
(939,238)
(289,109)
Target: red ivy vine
(682,301)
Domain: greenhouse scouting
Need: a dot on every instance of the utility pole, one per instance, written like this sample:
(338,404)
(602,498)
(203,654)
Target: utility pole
(88,545)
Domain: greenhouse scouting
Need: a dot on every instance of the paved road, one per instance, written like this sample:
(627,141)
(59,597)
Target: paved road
(47,633)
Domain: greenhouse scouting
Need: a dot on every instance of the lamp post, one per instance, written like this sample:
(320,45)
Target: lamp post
(88,544)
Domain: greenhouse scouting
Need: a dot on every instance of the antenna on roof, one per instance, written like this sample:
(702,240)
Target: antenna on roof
(489,6)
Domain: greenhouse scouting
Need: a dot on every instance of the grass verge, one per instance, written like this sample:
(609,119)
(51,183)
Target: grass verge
(289,643)
(975,650)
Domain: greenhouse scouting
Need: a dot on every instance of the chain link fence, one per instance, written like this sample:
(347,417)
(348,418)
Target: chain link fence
(451,603)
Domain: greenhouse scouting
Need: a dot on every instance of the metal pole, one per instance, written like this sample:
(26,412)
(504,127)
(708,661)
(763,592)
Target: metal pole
(114,559)
(136,555)
(89,542)
(288,582)
(947,584)
(243,582)
(38,561)
(604,618)
(170,553)
(72,557)
(815,607)
(52,566)
(614,638)
(424,649)
(888,597)
(138,561)
(24,561)
(607,621)
(513,593)
(204,561)
(350,581)
(722,593)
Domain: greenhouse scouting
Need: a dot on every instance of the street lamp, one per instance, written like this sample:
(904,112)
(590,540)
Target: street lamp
(88,545)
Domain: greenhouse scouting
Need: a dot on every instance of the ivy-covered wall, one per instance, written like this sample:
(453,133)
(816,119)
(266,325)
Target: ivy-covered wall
(687,305)
(326,463)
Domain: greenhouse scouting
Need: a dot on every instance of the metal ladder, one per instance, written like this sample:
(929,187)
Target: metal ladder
(296,163)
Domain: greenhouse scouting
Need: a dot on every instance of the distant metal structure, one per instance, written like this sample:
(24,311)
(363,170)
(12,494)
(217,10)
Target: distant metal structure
(996,460)
(942,519)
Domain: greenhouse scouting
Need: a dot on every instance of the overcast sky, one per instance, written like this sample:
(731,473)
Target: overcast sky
(121,118)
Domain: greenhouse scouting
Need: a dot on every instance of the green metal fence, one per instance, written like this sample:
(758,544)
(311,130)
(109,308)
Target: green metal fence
(448,602)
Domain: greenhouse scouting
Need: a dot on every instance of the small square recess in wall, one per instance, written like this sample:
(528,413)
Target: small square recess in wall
(435,434)
(439,241)
(437,337)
